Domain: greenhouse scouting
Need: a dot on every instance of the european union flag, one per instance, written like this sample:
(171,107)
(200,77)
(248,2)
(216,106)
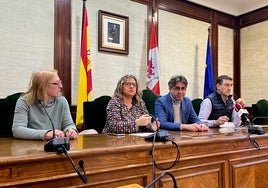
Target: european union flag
(209,86)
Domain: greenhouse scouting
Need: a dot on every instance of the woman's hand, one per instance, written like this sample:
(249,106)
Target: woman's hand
(71,133)
(58,134)
(155,125)
(143,120)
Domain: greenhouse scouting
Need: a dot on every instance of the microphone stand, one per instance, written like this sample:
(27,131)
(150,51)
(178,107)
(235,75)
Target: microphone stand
(161,136)
(158,136)
(255,130)
(160,177)
(81,170)
(259,117)
(55,143)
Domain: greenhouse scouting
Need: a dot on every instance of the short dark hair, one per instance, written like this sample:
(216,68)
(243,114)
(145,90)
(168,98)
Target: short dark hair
(177,78)
(223,77)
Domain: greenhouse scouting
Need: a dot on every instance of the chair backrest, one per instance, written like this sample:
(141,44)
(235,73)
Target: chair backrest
(255,111)
(7,107)
(196,104)
(95,113)
(149,98)
(262,110)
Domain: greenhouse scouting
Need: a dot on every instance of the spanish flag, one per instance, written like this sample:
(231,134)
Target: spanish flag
(85,77)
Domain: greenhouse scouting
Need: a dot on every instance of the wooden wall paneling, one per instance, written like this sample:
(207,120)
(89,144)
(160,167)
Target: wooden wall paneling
(145,2)
(186,9)
(237,60)
(254,17)
(62,44)
(214,44)
(249,171)
(225,20)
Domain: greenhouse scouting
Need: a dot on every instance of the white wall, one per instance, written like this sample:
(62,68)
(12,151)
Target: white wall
(254,66)
(225,51)
(27,41)
(182,47)
(108,68)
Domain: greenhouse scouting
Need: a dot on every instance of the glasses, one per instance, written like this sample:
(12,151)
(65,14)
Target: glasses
(179,88)
(128,84)
(58,83)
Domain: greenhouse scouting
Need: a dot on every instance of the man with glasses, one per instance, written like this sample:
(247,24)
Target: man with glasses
(218,107)
(175,111)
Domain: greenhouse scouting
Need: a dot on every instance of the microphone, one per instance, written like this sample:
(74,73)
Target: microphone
(158,136)
(243,113)
(55,143)
(81,170)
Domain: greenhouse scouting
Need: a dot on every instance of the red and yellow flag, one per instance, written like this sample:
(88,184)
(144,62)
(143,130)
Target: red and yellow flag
(85,77)
(153,66)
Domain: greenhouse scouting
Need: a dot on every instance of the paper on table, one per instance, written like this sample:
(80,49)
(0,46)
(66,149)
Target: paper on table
(142,134)
(228,125)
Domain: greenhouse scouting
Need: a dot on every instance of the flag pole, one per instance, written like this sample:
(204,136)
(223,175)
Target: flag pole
(209,29)
(153,13)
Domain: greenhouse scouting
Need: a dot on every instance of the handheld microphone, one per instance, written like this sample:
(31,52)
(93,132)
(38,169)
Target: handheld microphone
(55,143)
(243,113)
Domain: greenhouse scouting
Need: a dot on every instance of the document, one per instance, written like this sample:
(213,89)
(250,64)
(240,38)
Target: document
(142,134)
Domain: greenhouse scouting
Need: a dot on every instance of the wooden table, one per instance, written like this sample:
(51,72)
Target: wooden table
(207,159)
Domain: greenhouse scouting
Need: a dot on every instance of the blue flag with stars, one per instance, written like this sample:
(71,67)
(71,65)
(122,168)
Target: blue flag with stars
(209,86)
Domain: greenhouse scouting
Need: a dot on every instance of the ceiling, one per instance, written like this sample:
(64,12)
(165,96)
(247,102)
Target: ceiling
(232,7)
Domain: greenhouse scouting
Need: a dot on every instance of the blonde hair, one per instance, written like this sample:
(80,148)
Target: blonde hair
(37,86)
(119,89)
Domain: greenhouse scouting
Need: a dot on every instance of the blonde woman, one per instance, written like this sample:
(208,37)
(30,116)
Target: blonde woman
(30,118)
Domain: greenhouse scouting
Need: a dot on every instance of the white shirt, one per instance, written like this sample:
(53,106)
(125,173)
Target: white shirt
(205,111)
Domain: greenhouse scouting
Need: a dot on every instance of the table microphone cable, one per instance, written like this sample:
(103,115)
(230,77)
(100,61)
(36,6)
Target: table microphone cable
(173,163)
(154,164)
(165,139)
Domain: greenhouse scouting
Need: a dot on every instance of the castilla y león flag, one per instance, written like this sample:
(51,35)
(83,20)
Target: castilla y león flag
(153,69)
